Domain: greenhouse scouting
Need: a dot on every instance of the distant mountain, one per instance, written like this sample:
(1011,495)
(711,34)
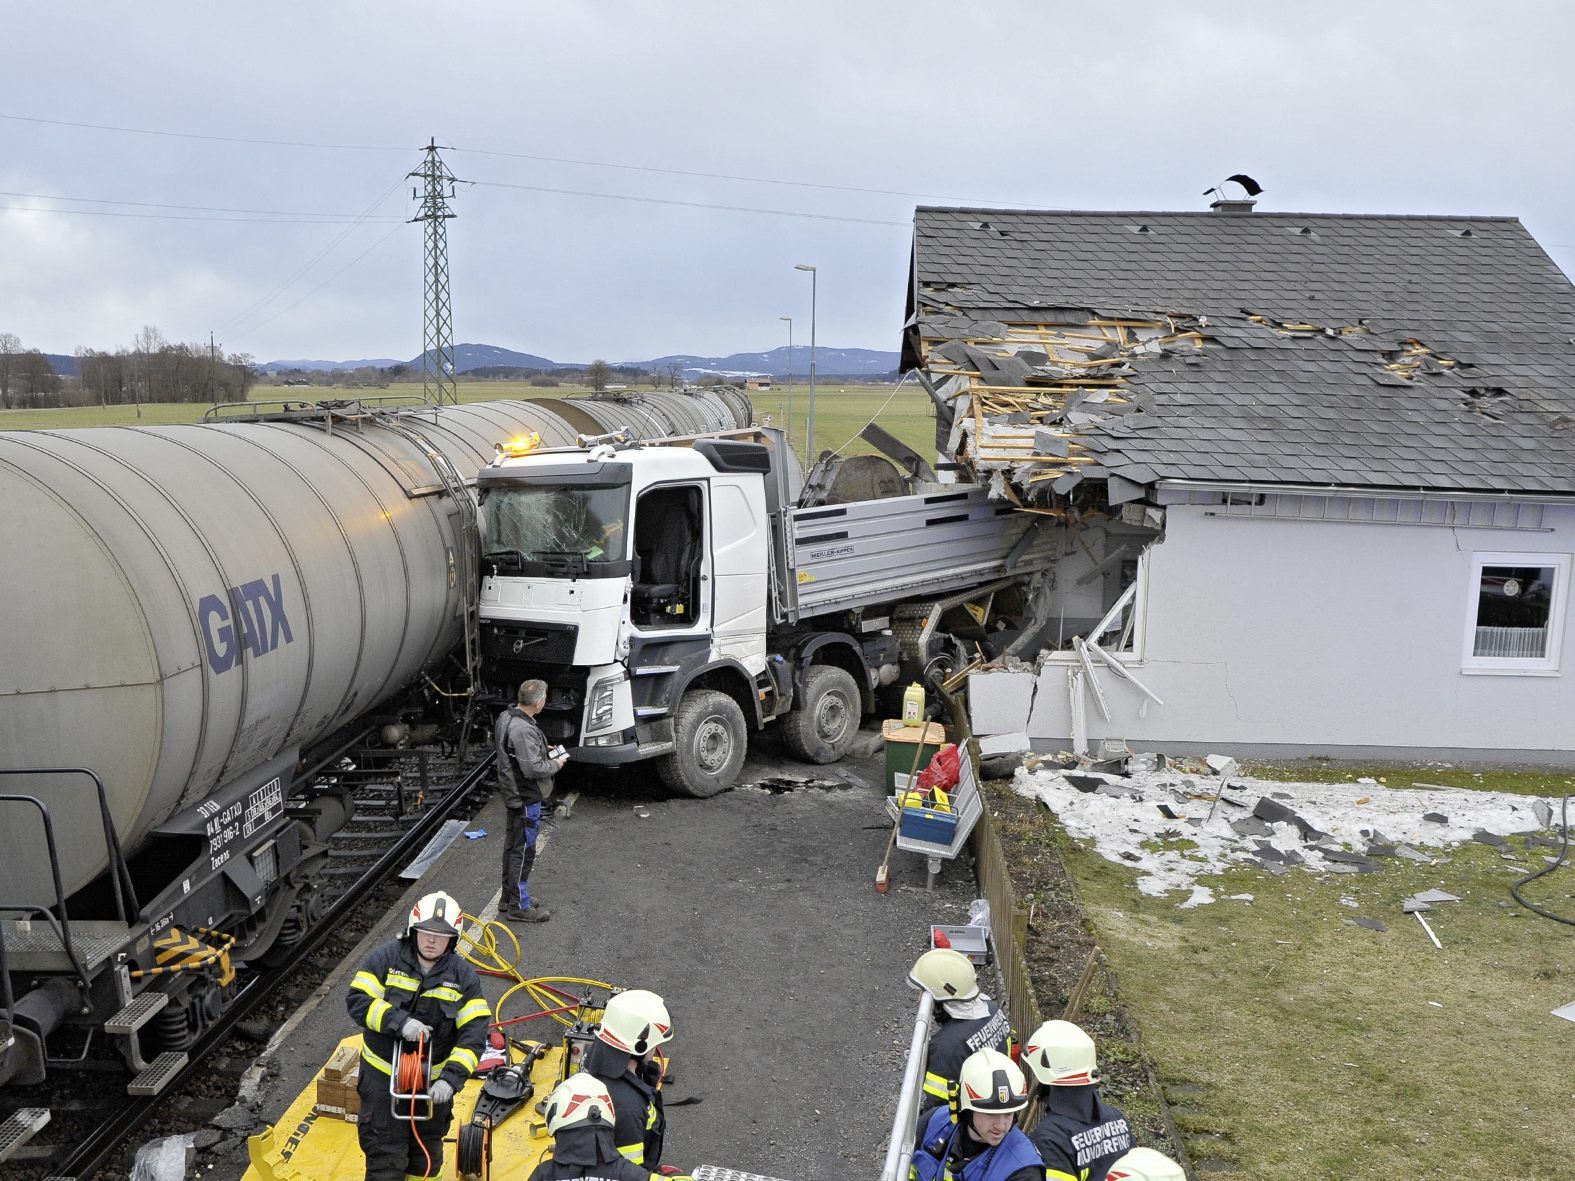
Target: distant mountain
(325,366)
(62,363)
(829,362)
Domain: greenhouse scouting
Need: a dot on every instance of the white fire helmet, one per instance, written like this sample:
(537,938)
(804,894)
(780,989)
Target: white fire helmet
(1061,1055)
(437,913)
(991,1083)
(636,1022)
(945,974)
(1144,1164)
(579,1099)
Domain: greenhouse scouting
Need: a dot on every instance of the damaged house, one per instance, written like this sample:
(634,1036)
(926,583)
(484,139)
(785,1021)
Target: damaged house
(1312,476)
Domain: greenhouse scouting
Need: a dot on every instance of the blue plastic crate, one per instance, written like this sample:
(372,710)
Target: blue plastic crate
(926,824)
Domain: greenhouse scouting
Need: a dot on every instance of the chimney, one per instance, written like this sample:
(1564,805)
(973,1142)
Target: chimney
(1232,205)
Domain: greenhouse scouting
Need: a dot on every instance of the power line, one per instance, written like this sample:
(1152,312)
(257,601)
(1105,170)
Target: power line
(871,221)
(691,173)
(198,208)
(257,306)
(223,139)
(757,180)
(278,221)
(327,281)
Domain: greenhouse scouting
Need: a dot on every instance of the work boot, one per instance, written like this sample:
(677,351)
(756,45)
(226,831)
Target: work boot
(530,914)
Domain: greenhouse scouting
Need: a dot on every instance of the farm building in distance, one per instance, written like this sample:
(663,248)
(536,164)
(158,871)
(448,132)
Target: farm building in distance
(1313,475)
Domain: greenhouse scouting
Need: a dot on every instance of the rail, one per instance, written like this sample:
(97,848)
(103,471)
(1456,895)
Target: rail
(299,407)
(109,1136)
(904,1124)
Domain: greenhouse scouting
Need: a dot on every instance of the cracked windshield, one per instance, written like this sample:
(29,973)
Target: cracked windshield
(554,524)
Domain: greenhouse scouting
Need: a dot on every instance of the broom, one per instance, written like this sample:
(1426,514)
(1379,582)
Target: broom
(883,874)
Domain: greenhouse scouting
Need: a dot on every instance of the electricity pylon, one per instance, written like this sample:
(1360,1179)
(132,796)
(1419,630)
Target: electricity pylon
(437,322)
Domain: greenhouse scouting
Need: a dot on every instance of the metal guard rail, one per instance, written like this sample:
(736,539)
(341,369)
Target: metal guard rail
(904,1124)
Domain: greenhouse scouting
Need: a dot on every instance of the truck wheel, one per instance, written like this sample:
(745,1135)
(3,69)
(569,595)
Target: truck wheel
(822,727)
(711,737)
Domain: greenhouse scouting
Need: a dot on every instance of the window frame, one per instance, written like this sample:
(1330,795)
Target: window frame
(1516,666)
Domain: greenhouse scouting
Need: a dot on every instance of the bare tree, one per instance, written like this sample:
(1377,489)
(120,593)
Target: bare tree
(675,374)
(596,375)
(10,347)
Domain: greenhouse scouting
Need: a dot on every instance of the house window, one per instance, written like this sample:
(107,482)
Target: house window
(1515,613)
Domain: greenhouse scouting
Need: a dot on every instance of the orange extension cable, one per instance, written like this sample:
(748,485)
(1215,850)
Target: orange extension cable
(412,1080)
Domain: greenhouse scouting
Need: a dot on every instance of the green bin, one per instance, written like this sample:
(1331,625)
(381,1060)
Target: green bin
(900,743)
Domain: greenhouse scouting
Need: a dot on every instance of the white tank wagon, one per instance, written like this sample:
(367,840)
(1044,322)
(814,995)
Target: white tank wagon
(189,607)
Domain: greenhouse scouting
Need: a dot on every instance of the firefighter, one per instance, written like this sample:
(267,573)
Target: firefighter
(1144,1164)
(1077,1133)
(525,770)
(416,993)
(965,1020)
(580,1118)
(634,1024)
(976,1138)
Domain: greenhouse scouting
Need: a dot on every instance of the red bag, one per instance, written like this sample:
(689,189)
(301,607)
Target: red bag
(943,772)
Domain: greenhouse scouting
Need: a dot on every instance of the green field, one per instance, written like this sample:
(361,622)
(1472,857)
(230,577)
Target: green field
(1294,1044)
(841,410)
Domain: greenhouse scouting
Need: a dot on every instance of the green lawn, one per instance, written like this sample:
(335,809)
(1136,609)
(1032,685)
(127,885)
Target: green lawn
(1297,1045)
(841,410)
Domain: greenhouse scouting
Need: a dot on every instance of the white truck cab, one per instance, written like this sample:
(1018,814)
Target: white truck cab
(674,599)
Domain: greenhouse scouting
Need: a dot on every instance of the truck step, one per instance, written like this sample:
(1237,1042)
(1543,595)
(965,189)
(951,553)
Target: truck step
(137,1013)
(20,1127)
(158,1074)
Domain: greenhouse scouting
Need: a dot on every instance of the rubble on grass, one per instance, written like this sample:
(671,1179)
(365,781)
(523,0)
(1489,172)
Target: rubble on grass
(1172,827)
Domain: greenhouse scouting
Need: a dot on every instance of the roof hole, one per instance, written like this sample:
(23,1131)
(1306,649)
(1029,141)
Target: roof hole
(989,229)
(1142,229)
(1464,234)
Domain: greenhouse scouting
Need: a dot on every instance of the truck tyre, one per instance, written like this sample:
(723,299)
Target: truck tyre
(822,727)
(711,739)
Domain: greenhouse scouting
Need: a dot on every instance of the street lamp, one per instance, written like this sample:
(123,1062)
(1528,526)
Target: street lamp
(789,320)
(809,431)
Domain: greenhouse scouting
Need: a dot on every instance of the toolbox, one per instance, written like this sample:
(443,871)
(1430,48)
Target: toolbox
(928,824)
(900,741)
(337,1097)
(973,942)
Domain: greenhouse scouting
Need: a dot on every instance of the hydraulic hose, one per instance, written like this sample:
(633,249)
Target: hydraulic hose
(494,950)
(1564,849)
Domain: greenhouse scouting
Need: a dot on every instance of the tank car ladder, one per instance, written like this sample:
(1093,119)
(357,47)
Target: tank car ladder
(466,559)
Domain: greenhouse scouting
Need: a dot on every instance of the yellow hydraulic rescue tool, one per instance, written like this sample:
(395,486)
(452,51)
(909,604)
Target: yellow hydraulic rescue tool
(312,1142)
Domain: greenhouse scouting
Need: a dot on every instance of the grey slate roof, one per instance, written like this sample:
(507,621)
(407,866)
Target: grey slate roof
(1256,404)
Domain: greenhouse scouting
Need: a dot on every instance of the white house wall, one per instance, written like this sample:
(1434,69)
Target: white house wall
(1271,635)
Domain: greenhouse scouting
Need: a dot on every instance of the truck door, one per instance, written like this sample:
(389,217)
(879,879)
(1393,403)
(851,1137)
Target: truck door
(672,575)
(740,550)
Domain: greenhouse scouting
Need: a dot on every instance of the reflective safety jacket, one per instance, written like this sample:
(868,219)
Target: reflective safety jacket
(1079,1136)
(954,1040)
(391,987)
(938,1155)
(639,1124)
(587,1154)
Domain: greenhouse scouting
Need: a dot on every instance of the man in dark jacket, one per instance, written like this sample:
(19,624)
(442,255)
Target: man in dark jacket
(624,1059)
(416,994)
(1077,1133)
(966,1020)
(580,1117)
(525,771)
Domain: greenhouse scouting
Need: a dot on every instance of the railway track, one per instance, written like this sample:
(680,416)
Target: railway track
(401,800)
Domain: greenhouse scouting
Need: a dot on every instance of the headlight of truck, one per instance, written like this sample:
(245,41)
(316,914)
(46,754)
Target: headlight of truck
(602,704)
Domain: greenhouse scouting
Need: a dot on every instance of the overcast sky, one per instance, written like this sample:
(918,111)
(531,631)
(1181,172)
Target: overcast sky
(1422,107)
